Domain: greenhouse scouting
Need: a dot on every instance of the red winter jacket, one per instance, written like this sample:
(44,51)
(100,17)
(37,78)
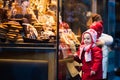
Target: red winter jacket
(95,64)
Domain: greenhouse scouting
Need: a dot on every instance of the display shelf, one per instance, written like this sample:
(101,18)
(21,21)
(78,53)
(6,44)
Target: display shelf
(41,56)
(26,45)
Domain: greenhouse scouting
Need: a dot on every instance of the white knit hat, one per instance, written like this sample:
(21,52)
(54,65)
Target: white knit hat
(92,33)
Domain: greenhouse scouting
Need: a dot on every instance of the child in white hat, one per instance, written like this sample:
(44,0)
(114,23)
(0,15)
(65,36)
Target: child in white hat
(90,56)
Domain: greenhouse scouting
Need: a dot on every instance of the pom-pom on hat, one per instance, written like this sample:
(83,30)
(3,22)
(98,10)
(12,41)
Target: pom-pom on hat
(98,27)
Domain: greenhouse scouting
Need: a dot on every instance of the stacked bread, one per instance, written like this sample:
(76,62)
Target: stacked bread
(13,31)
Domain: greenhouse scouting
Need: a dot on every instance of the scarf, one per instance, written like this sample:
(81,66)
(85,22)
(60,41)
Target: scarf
(87,49)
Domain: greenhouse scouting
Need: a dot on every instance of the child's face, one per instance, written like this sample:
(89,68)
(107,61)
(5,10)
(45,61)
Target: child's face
(87,39)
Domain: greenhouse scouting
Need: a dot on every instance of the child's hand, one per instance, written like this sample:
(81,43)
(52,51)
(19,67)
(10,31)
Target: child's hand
(76,58)
(92,73)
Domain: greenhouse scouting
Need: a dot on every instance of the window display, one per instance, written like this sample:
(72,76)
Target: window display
(37,20)
(35,25)
(28,30)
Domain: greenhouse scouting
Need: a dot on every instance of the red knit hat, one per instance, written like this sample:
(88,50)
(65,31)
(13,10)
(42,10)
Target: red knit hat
(98,27)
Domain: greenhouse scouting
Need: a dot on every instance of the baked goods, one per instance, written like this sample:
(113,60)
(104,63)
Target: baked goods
(3,32)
